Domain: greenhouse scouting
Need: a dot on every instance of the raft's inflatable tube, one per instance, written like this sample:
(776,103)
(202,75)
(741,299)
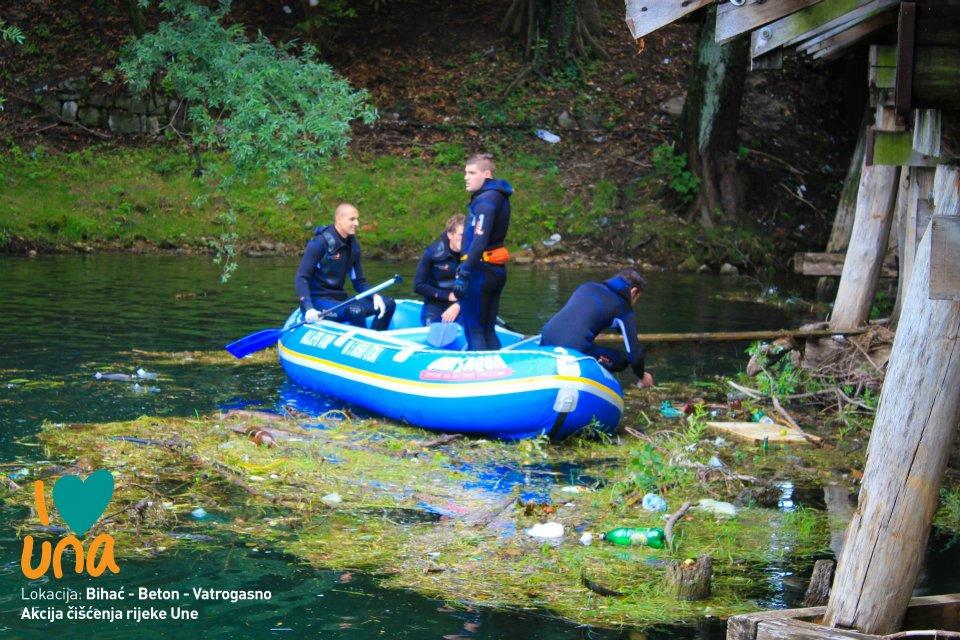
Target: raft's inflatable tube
(522,391)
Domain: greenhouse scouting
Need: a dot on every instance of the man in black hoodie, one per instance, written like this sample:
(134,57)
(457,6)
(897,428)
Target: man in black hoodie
(596,306)
(436,273)
(483,272)
(331,255)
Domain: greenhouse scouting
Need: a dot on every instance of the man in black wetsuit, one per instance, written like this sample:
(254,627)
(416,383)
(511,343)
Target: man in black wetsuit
(332,255)
(436,273)
(596,306)
(483,272)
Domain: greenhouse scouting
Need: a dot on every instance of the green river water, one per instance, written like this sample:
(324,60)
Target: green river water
(63,318)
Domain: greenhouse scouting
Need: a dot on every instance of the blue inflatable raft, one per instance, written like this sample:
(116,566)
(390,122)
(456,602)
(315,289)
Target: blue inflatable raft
(522,391)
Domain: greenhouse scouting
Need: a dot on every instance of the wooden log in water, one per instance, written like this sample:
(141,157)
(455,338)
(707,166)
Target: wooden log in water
(818,591)
(732,336)
(689,580)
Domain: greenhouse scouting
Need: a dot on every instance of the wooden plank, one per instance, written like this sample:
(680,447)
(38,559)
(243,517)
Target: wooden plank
(730,336)
(906,27)
(927,131)
(810,45)
(895,148)
(910,442)
(772,60)
(945,258)
(831,264)
(646,16)
(938,24)
(868,242)
(936,78)
(812,21)
(756,432)
(837,45)
(732,20)
(935,612)
(786,629)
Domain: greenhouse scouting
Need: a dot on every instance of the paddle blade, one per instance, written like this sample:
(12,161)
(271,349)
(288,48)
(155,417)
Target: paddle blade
(254,342)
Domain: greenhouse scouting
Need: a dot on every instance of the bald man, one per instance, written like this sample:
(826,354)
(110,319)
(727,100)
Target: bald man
(331,255)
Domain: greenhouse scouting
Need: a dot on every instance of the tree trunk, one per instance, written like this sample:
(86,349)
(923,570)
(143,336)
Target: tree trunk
(555,31)
(846,208)
(708,124)
(689,581)
(135,14)
(915,426)
(876,198)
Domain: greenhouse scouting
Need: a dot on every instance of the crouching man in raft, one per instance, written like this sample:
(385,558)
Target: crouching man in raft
(331,255)
(596,306)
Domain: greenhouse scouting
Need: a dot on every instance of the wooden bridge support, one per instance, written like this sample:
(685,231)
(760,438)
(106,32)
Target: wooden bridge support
(915,426)
(868,240)
(913,203)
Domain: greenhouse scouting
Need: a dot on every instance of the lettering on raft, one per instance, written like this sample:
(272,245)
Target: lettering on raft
(352,348)
(459,368)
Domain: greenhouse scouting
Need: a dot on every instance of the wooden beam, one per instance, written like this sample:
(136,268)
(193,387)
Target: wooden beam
(945,258)
(834,46)
(895,149)
(882,67)
(772,60)
(938,24)
(814,20)
(906,28)
(927,131)
(809,45)
(910,441)
(831,264)
(732,20)
(646,16)
(868,242)
(936,78)
(730,336)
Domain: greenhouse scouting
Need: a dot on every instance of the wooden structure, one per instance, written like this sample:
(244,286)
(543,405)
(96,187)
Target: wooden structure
(908,196)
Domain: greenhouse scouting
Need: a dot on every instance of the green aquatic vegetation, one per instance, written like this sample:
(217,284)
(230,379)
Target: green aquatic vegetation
(948,515)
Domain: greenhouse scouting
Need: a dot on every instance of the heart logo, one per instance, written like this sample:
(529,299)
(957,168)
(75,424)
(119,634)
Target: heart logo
(82,502)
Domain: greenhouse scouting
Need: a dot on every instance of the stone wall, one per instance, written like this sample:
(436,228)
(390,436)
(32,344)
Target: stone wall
(99,106)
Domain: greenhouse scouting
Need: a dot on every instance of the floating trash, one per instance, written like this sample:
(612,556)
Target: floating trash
(546,530)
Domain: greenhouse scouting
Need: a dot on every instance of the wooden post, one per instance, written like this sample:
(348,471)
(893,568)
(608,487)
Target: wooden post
(839,512)
(916,183)
(846,208)
(868,240)
(689,580)
(910,442)
(818,591)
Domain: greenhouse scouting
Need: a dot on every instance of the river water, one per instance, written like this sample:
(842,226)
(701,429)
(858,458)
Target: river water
(64,318)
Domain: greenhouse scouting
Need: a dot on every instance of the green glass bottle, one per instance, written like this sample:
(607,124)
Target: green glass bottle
(626,536)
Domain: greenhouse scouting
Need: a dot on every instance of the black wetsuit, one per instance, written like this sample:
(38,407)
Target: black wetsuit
(327,262)
(593,307)
(434,279)
(488,218)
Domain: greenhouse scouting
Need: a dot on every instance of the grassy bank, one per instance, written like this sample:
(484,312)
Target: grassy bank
(121,197)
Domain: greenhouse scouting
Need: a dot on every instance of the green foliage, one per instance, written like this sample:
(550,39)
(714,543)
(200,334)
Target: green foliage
(449,153)
(671,168)
(10,33)
(778,379)
(650,470)
(948,516)
(271,110)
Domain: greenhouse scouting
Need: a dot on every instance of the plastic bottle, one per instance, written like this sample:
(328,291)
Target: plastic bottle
(626,536)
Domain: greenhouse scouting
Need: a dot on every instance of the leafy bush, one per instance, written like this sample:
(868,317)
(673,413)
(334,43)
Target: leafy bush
(449,153)
(671,168)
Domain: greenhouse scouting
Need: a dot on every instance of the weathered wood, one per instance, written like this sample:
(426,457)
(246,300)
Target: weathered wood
(906,28)
(818,591)
(938,24)
(868,243)
(882,67)
(814,20)
(645,16)
(916,216)
(846,208)
(831,264)
(839,43)
(936,76)
(895,148)
(786,629)
(686,581)
(910,442)
(927,131)
(732,20)
(730,336)
(927,612)
(757,432)
(945,258)
(772,60)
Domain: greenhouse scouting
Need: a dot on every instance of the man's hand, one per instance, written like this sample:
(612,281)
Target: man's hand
(645,382)
(451,313)
(460,283)
(379,305)
(451,297)
(311,316)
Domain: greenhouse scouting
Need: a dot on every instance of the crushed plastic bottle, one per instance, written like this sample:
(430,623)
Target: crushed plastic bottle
(653,502)
(667,410)
(546,136)
(146,375)
(199,513)
(653,537)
